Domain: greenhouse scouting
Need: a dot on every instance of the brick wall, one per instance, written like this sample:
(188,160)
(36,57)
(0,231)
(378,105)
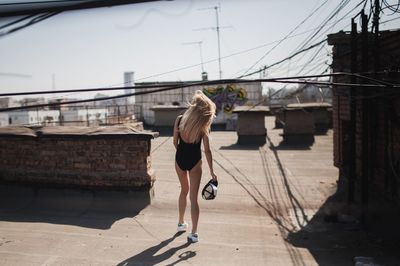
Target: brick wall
(111,160)
(383,128)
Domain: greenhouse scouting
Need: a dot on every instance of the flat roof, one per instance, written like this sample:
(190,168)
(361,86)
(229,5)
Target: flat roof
(307,105)
(239,109)
(168,107)
(74,131)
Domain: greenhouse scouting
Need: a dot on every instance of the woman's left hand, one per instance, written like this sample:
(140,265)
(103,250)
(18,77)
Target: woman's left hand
(214,176)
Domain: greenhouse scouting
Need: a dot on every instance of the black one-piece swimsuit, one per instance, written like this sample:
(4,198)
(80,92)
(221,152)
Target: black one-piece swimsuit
(187,154)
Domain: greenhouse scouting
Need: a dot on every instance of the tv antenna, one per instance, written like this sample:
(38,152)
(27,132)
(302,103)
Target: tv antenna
(199,43)
(217,29)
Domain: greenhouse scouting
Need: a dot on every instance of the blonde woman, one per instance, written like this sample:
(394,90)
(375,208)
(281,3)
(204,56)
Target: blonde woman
(190,130)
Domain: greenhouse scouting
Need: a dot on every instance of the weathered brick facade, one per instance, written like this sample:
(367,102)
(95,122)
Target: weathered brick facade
(376,111)
(73,158)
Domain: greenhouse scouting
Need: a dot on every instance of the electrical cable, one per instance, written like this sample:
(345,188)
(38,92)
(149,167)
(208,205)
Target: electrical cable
(342,18)
(390,7)
(390,20)
(228,56)
(54,7)
(174,87)
(182,84)
(333,14)
(188,84)
(42,2)
(288,35)
(317,66)
(341,5)
(319,61)
(214,60)
(196,65)
(15,21)
(312,58)
(85,90)
(285,59)
(318,33)
(33,21)
(325,23)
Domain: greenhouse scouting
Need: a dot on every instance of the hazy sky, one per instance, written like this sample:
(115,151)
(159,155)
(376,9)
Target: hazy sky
(93,48)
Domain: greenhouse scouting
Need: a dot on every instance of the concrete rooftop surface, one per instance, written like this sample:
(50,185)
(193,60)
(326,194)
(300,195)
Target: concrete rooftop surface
(264,214)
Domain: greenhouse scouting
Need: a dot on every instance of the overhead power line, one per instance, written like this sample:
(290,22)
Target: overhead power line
(82,90)
(34,19)
(307,40)
(285,59)
(40,2)
(214,60)
(381,84)
(325,23)
(283,39)
(181,85)
(16,75)
(37,7)
(15,21)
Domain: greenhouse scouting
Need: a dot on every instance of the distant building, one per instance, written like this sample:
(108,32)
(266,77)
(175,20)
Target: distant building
(129,82)
(3,119)
(225,96)
(82,117)
(32,101)
(312,93)
(59,107)
(5,102)
(304,93)
(39,117)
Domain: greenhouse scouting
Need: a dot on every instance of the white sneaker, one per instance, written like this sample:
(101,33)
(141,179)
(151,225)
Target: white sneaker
(193,237)
(182,227)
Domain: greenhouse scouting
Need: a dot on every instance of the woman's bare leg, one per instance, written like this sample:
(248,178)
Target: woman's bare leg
(184,180)
(195,177)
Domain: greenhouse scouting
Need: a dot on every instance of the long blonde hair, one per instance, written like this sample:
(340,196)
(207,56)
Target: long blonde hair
(197,119)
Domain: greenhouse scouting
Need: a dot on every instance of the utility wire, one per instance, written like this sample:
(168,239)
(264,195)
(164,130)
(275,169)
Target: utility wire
(224,57)
(318,29)
(316,34)
(313,66)
(42,2)
(285,59)
(310,60)
(214,60)
(389,20)
(16,21)
(326,24)
(390,7)
(85,90)
(341,5)
(173,88)
(54,7)
(288,35)
(321,26)
(33,21)
(382,84)
(190,84)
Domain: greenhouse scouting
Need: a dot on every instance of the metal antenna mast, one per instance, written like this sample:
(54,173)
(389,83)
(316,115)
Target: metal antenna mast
(199,43)
(218,36)
(219,44)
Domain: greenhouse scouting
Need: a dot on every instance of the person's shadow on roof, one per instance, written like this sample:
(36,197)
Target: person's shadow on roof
(98,209)
(148,257)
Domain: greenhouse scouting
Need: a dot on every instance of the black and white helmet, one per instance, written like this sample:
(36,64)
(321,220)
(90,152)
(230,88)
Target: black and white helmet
(210,190)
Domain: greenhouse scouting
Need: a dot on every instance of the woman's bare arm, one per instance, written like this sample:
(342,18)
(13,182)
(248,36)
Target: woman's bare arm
(207,151)
(176,132)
